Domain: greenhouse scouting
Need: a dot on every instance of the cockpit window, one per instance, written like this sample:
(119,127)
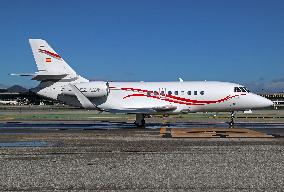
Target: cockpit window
(246,89)
(237,89)
(241,89)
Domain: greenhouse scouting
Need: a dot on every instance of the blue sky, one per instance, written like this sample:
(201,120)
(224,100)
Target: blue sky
(151,40)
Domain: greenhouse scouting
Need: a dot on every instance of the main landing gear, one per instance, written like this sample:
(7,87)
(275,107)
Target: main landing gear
(232,123)
(140,120)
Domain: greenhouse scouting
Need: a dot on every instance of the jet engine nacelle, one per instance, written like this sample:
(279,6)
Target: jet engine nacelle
(89,89)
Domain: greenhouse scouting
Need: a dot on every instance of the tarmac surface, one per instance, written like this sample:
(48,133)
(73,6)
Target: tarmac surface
(116,156)
(272,128)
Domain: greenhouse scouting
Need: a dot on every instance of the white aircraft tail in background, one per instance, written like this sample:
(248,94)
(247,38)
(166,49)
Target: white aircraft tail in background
(60,82)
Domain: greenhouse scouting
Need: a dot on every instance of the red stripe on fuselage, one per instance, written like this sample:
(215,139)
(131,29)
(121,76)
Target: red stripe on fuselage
(164,99)
(175,99)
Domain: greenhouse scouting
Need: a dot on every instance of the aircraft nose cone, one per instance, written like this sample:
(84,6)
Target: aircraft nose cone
(259,102)
(269,103)
(265,102)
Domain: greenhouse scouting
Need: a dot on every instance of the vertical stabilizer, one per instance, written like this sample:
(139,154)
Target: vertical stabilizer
(53,72)
(47,60)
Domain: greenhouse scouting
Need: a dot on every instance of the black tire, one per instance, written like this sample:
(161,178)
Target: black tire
(142,123)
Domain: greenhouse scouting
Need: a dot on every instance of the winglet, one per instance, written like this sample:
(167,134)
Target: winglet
(180,79)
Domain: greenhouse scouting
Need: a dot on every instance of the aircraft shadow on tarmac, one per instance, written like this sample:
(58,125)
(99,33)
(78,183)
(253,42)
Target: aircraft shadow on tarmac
(273,129)
(125,125)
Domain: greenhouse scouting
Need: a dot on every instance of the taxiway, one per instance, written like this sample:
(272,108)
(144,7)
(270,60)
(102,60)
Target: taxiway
(49,150)
(117,156)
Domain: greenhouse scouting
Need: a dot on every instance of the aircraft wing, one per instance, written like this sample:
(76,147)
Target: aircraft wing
(166,108)
(146,110)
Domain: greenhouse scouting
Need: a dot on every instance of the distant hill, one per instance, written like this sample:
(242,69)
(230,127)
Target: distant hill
(17,89)
(2,86)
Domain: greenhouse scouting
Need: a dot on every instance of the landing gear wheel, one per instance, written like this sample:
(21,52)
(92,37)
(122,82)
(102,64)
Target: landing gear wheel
(232,123)
(142,124)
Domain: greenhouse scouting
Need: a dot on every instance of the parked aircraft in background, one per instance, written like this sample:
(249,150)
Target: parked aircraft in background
(9,102)
(60,82)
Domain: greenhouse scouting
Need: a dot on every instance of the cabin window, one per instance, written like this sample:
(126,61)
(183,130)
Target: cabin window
(201,92)
(176,92)
(156,93)
(182,92)
(162,93)
(169,92)
(189,92)
(148,93)
(195,92)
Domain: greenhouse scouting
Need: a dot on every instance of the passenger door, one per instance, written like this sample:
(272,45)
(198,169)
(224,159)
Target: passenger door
(162,92)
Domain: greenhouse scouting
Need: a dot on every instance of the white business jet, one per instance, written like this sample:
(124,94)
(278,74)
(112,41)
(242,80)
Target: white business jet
(59,81)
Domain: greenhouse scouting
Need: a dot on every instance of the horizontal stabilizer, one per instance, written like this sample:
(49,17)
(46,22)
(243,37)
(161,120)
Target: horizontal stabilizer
(48,77)
(23,74)
(42,76)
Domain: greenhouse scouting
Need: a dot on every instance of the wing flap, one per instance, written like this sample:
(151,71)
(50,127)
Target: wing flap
(166,108)
(158,109)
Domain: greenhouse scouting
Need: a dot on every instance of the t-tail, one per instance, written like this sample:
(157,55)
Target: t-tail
(53,72)
(51,66)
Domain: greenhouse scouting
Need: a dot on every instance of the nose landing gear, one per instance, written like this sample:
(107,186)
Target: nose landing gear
(232,123)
